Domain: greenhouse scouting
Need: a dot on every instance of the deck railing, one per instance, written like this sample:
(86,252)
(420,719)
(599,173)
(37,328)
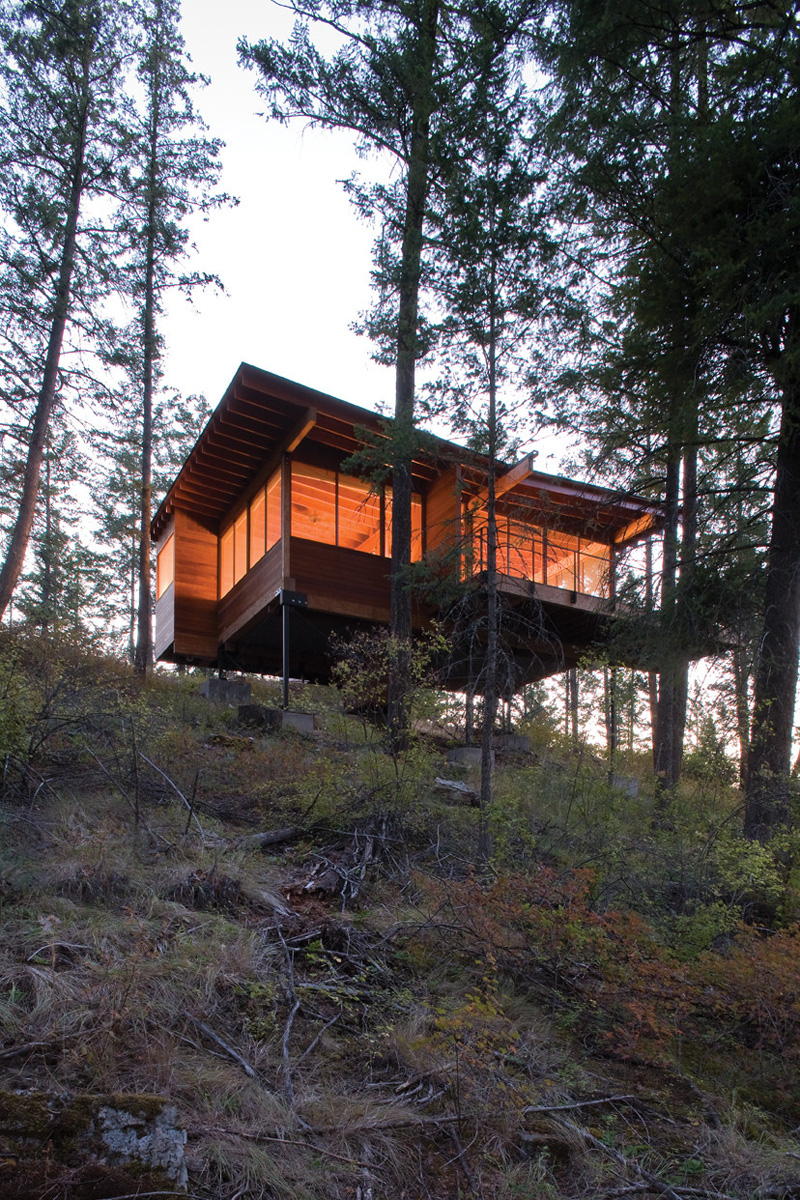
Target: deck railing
(543,559)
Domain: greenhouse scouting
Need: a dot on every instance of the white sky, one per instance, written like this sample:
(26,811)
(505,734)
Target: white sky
(293,256)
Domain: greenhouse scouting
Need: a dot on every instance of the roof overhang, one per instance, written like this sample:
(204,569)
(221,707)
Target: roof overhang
(261,416)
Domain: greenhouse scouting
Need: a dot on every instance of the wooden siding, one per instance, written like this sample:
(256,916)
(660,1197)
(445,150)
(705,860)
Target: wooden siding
(195,587)
(336,580)
(245,602)
(443,513)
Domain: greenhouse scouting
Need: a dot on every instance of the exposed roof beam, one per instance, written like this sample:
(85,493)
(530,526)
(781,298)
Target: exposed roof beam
(641,525)
(509,479)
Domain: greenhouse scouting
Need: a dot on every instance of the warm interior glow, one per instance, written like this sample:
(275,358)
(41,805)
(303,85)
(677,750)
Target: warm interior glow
(416,528)
(595,571)
(258,527)
(226,561)
(342,510)
(359,516)
(326,506)
(416,525)
(273,509)
(240,546)
(255,531)
(544,556)
(314,503)
(562,565)
(165,566)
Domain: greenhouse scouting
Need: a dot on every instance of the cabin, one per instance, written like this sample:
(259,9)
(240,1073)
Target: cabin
(269,545)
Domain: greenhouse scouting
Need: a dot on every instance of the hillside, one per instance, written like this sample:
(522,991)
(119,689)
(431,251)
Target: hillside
(285,938)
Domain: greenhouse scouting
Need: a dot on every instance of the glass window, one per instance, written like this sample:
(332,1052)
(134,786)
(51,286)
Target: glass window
(273,509)
(165,566)
(226,561)
(258,533)
(314,503)
(416,528)
(240,546)
(359,516)
(594,568)
(522,549)
(562,561)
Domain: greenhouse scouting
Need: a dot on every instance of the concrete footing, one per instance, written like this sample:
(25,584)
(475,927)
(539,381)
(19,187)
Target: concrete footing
(258,716)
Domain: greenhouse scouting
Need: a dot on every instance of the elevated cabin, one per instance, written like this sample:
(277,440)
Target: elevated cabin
(266,535)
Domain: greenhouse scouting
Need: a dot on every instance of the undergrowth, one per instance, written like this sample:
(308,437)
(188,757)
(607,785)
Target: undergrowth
(346,1007)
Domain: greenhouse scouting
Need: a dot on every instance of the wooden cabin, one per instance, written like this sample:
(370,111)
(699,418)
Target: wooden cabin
(267,537)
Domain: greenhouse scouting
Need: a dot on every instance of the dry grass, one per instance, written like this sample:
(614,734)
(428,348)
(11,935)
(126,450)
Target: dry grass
(315,1053)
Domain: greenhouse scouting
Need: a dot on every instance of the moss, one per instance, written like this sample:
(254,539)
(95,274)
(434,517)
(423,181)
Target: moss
(66,1123)
(24,1116)
(137,1104)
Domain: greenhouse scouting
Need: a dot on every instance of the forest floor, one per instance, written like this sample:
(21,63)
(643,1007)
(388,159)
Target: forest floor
(350,1008)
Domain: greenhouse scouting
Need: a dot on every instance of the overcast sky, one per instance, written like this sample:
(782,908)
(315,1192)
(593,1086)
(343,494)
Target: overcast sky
(293,257)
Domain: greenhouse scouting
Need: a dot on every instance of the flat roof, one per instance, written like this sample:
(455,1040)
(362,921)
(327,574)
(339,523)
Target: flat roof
(261,412)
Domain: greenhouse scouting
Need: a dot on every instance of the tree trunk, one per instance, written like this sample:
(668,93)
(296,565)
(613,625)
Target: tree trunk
(769,760)
(143,658)
(490,675)
(652,677)
(741,680)
(20,535)
(572,700)
(674,680)
(407,351)
(666,717)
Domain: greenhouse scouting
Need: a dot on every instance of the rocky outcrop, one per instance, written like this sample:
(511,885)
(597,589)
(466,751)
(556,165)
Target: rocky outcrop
(89,1146)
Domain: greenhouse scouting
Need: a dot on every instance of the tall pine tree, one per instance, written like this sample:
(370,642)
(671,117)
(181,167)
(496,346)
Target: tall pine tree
(61,68)
(170,176)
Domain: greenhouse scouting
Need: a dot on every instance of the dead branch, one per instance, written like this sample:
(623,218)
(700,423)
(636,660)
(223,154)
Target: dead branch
(272,837)
(265,1137)
(411,1122)
(313,1045)
(630,1165)
(229,1050)
(29,1047)
(291,994)
(547,1108)
(177,791)
(461,1159)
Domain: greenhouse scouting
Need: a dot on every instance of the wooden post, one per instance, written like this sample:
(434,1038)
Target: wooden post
(286,518)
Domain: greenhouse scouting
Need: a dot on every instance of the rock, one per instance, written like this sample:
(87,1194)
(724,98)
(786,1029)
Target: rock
(457,791)
(466,756)
(152,1139)
(258,716)
(625,783)
(226,691)
(114,1137)
(516,742)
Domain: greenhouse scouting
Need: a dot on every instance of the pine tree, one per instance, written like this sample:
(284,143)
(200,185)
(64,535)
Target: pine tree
(61,68)
(683,133)
(170,176)
(486,244)
(392,83)
(176,426)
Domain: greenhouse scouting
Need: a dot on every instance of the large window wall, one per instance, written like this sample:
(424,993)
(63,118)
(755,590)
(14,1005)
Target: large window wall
(341,510)
(527,551)
(165,566)
(327,506)
(253,532)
